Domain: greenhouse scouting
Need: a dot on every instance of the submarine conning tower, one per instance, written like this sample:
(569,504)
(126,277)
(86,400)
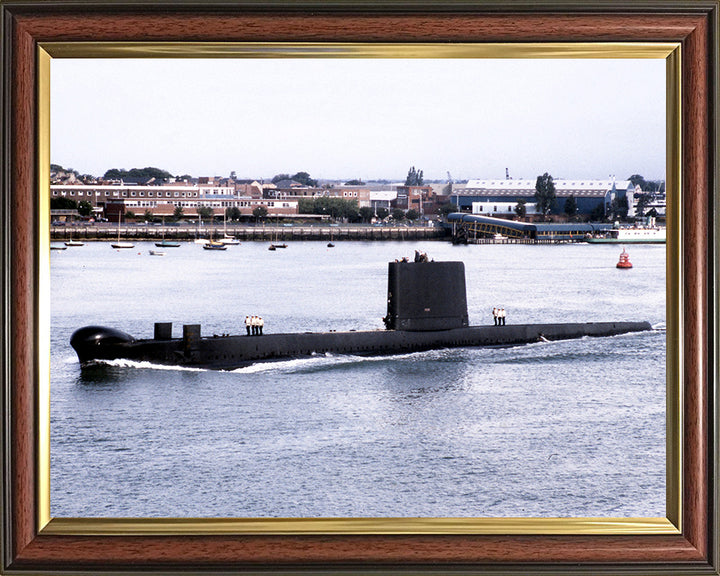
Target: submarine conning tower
(426,296)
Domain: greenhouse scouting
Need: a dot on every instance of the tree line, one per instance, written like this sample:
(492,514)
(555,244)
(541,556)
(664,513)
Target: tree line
(341,208)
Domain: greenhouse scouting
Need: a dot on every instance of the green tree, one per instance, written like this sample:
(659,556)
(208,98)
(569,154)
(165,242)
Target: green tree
(62,203)
(279,177)
(570,208)
(619,207)
(447,208)
(205,212)
(259,212)
(366,213)
(147,172)
(642,202)
(521,208)
(598,213)
(114,173)
(398,214)
(637,179)
(352,212)
(412,214)
(304,179)
(233,213)
(545,193)
(382,213)
(330,206)
(306,206)
(148,216)
(354,182)
(177,213)
(84,208)
(129,215)
(645,185)
(414,177)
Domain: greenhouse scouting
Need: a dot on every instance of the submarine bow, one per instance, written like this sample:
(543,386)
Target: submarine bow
(98,342)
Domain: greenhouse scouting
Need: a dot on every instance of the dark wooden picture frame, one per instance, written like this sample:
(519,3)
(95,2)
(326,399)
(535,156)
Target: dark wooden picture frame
(26,25)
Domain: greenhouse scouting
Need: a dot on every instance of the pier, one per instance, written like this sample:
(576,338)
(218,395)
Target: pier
(248,233)
(480,229)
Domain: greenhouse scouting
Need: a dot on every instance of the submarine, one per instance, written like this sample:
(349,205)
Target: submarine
(426,310)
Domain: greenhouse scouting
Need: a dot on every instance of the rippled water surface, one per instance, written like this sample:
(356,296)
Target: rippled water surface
(574,428)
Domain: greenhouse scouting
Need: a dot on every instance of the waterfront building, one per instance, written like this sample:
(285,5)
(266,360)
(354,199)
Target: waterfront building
(382,199)
(359,194)
(502,209)
(413,197)
(588,194)
(251,188)
(162,201)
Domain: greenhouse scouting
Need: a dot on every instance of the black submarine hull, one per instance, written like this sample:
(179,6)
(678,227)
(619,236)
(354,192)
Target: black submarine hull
(94,343)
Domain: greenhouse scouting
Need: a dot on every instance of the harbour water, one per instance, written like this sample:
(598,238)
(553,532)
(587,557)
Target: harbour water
(573,428)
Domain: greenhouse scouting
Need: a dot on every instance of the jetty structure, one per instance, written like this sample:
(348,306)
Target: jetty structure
(426,310)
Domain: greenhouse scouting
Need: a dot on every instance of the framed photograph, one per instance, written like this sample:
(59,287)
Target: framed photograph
(146,521)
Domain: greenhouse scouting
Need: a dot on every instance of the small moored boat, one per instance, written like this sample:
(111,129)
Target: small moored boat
(121,245)
(212,245)
(166,243)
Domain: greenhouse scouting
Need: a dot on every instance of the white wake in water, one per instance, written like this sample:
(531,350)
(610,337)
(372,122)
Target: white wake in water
(124,363)
(332,360)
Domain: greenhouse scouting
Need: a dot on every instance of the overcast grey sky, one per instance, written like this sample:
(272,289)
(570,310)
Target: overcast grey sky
(361,118)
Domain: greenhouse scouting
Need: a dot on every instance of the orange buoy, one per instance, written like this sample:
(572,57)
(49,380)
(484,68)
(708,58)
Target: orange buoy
(624,262)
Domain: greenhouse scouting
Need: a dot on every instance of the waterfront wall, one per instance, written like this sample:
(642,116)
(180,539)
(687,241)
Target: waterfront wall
(250,233)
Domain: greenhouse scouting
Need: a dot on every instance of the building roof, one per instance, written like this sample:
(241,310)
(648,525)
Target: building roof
(288,184)
(515,187)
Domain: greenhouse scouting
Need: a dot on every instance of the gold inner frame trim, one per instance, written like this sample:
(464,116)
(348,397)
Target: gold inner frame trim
(356,50)
(385,526)
(288,526)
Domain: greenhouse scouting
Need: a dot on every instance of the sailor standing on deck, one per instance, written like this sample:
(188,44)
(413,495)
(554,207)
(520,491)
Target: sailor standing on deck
(254,324)
(261,323)
(502,316)
(495,316)
(247,324)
